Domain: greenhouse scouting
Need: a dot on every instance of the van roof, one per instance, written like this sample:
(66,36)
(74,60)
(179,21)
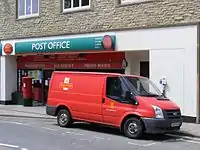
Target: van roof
(95,73)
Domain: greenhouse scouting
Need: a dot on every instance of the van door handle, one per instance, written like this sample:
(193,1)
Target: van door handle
(103,100)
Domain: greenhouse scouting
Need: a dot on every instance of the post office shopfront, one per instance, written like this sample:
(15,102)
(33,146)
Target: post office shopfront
(160,53)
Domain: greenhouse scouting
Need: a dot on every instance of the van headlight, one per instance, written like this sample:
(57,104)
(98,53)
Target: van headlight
(158,111)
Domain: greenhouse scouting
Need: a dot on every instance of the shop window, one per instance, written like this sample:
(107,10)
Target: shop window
(28,8)
(73,5)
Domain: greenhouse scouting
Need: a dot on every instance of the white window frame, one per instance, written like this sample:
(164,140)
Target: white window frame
(76,8)
(127,2)
(30,15)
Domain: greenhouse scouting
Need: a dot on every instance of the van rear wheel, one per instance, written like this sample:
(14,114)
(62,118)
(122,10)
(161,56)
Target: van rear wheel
(133,128)
(64,118)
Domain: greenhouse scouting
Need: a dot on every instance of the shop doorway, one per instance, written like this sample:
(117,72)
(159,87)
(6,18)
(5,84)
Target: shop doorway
(144,69)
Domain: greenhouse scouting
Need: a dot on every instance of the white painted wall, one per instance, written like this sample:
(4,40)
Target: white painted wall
(8,77)
(173,53)
(170,64)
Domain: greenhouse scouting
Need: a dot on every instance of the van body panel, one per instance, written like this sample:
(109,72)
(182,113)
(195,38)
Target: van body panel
(164,104)
(80,94)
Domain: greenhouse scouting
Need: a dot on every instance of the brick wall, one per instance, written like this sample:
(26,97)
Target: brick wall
(104,15)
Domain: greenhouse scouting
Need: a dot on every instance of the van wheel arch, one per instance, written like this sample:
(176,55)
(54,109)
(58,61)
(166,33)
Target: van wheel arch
(60,108)
(128,117)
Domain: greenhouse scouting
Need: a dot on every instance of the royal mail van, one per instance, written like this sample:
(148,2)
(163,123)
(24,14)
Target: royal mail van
(131,103)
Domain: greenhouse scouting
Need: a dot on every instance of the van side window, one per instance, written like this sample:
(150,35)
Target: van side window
(114,89)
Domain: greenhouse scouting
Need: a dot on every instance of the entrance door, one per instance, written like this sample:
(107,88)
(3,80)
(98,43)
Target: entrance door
(46,79)
(144,69)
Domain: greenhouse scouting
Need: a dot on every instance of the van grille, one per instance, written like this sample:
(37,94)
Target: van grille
(173,114)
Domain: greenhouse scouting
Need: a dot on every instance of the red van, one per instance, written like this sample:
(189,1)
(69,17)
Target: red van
(131,103)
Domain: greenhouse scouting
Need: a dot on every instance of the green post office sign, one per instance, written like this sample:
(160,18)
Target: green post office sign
(68,44)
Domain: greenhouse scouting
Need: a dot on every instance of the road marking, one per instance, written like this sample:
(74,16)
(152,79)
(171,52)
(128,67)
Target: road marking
(97,137)
(88,140)
(185,137)
(18,123)
(142,145)
(190,141)
(24,149)
(150,144)
(74,133)
(131,143)
(8,145)
(49,129)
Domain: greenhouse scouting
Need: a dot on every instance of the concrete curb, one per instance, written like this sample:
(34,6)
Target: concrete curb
(21,111)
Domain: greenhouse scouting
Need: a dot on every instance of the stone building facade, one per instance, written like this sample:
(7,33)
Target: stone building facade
(103,15)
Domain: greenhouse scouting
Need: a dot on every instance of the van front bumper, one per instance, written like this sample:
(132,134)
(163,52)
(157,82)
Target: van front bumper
(153,125)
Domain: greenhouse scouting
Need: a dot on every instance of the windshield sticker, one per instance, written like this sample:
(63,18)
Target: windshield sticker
(66,84)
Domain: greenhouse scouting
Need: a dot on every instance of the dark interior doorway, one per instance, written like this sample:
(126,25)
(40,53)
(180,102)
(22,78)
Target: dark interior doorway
(144,69)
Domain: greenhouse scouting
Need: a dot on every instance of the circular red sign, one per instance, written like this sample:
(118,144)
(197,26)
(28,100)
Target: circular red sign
(107,42)
(8,48)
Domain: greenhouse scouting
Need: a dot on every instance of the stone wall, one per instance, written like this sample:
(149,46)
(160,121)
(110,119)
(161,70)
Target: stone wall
(104,15)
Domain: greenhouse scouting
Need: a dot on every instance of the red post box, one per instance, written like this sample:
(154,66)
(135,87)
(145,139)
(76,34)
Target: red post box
(27,91)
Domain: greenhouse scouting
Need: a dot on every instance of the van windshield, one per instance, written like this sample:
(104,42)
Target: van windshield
(143,86)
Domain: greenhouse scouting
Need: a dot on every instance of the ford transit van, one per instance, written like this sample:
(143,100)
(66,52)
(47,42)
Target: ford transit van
(131,103)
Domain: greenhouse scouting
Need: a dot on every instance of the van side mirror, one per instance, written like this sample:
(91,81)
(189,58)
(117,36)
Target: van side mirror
(129,97)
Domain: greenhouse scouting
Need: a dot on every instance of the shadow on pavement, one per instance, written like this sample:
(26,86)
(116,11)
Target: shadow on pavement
(116,132)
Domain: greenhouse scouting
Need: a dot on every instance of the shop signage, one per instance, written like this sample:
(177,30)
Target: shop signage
(68,44)
(8,49)
(69,66)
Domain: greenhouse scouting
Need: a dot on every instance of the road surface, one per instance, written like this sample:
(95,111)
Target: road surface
(18,133)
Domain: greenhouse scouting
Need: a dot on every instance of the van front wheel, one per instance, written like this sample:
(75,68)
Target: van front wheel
(64,118)
(133,128)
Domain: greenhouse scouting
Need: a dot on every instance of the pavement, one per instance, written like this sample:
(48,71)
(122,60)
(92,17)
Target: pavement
(187,129)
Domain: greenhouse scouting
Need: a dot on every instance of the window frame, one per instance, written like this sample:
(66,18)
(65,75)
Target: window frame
(72,9)
(133,2)
(30,15)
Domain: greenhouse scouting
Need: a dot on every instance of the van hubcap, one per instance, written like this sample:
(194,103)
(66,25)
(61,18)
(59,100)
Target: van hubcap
(63,119)
(132,128)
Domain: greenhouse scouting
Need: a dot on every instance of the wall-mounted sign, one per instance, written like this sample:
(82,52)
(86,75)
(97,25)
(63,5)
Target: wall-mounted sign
(8,49)
(67,44)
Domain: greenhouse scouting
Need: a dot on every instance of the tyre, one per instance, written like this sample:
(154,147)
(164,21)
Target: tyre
(64,118)
(133,128)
